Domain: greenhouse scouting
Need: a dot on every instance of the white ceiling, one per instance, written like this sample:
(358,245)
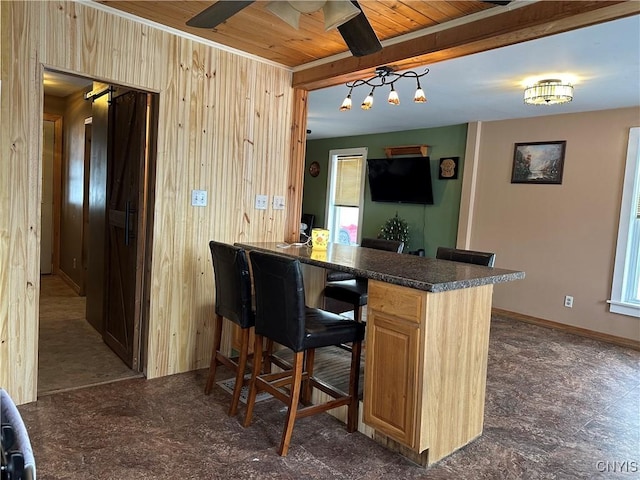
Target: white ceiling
(603,60)
(61,85)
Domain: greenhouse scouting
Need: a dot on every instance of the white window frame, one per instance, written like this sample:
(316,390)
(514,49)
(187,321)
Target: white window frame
(627,249)
(331,187)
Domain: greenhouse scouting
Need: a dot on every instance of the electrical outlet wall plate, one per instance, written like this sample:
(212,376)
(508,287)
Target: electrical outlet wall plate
(198,198)
(261,202)
(278,202)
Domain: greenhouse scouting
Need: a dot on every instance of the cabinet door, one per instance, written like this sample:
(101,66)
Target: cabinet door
(391,376)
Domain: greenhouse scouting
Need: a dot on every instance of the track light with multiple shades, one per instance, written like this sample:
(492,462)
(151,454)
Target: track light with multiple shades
(385,76)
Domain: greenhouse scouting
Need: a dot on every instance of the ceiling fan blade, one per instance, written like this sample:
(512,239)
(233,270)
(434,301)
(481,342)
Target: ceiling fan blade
(359,35)
(217,13)
(498,2)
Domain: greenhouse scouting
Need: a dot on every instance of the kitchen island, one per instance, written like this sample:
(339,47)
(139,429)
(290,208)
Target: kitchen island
(427,341)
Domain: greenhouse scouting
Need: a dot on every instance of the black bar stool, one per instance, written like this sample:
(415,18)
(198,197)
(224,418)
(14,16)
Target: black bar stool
(233,301)
(283,317)
(466,256)
(354,291)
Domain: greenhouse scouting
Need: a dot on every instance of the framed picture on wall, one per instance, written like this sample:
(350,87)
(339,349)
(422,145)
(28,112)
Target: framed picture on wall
(538,162)
(448,168)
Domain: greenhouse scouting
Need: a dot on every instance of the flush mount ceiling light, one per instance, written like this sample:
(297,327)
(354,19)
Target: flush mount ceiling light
(385,76)
(548,92)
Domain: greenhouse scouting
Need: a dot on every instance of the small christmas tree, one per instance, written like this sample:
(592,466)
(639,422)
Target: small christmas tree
(395,229)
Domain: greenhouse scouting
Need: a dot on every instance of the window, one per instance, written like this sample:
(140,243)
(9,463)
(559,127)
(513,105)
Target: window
(625,291)
(345,195)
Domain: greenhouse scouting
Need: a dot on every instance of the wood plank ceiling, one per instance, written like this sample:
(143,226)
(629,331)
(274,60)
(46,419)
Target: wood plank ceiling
(256,30)
(405,28)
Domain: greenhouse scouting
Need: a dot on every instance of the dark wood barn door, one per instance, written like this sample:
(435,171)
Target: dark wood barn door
(127,154)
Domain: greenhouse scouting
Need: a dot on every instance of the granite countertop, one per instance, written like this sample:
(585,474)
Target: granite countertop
(421,273)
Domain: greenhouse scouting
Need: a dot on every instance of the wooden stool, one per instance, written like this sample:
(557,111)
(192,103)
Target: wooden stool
(233,301)
(283,317)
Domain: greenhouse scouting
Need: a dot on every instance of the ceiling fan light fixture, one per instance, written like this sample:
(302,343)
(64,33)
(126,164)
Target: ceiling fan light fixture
(338,12)
(286,12)
(307,6)
(548,92)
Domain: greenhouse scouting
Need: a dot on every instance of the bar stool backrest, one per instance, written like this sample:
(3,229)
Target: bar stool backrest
(466,256)
(383,244)
(233,283)
(280,300)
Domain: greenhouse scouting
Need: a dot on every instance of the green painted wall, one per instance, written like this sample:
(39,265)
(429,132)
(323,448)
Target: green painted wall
(429,225)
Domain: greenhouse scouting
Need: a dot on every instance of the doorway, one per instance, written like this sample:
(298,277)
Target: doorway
(77,314)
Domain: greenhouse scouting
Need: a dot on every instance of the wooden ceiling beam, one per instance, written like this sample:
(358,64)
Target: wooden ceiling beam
(537,20)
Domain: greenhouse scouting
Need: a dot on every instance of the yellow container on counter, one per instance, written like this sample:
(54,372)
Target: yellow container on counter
(319,238)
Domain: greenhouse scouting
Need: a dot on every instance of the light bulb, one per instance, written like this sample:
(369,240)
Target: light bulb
(368,102)
(346,104)
(419,97)
(393,97)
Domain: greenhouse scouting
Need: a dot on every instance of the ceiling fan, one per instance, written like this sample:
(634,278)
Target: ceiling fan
(346,15)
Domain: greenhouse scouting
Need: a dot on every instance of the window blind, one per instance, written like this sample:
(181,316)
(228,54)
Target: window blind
(348,181)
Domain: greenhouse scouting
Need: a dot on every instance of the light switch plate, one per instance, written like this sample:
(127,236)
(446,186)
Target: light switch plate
(278,202)
(261,202)
(198,198)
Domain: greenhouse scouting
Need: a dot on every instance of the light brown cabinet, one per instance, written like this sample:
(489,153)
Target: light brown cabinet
(391,374)
(426,360)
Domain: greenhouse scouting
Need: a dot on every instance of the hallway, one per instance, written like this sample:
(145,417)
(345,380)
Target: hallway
(71,353)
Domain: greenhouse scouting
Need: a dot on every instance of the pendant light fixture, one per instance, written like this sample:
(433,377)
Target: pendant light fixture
(385,76)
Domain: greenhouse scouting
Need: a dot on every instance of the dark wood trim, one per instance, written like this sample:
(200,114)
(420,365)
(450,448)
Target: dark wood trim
(57,185)
(583,332)
(296,164)
(529,22)
(69,281)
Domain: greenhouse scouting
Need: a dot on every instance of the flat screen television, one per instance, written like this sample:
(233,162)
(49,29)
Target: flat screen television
(400,180)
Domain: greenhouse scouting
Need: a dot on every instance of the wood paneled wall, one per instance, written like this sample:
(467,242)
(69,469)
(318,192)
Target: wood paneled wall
(225,125)
(71,215)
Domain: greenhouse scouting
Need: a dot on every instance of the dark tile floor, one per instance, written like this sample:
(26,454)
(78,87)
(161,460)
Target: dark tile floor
(558,407)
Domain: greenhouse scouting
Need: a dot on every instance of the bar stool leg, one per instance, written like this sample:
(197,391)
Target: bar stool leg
(267,356)
(310,356)
(354,380)
(253,389)
(357,313)
(242,366)
(298,361)
(217,338)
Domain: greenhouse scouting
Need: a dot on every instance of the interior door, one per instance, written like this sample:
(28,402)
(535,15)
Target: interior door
(46,240)
(124,272)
